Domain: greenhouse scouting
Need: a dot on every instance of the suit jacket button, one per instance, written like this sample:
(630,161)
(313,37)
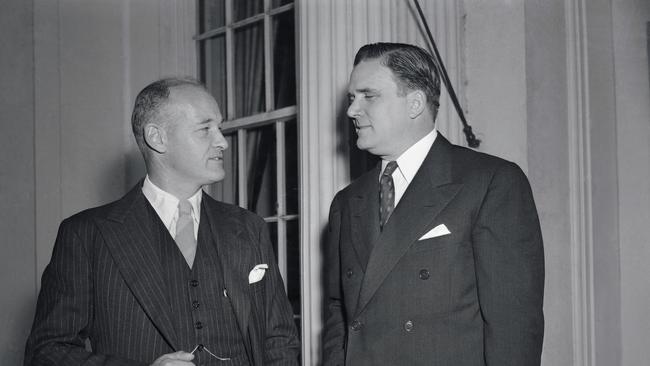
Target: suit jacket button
(408,326)
(198,325)
(349,273)
(424,274)
(356,325)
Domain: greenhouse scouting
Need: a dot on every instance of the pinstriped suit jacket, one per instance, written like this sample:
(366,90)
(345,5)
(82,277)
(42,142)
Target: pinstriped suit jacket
(105,284)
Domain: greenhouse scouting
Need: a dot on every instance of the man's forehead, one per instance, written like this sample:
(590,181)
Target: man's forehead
(370,74)
(181,92)
(192,99)
(191,96)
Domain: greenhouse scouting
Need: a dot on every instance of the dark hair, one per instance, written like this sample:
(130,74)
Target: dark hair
(412,66)
(150,100)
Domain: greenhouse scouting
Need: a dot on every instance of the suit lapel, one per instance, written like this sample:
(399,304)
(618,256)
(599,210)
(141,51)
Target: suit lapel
(427,195)
(232,256)
(365,216)
(131,236)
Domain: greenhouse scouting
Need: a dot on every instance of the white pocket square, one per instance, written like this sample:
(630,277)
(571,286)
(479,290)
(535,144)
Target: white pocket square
(257,273)
(439,230)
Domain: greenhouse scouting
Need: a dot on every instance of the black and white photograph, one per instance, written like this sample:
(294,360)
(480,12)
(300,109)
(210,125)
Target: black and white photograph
(324,182)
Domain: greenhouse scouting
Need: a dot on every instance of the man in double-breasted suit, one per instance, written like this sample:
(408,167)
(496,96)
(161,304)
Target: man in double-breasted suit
(435,256)
(166,275)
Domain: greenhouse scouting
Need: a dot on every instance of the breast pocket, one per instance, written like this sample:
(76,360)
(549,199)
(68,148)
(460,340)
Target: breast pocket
(437,243)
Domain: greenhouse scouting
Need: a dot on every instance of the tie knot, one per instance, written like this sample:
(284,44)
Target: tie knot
(184,208)
(390,168)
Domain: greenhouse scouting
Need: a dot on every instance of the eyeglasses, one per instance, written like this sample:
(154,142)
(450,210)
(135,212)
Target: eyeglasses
(200,347)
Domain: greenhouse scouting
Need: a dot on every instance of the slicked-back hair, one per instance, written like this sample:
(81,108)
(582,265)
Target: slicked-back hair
(149,101)
(411,65)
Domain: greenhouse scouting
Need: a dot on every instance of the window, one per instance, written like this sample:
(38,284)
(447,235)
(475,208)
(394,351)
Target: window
(247,61)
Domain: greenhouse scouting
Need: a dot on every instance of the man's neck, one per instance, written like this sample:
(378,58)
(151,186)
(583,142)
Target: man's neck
(169,185)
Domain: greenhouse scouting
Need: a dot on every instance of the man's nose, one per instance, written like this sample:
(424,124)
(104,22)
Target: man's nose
(353,109)
(219,140)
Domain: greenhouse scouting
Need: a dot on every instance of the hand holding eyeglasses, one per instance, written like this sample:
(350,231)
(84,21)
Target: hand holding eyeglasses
(180,358)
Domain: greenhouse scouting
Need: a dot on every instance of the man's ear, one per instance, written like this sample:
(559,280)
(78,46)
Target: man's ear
(416,103)
(155,137)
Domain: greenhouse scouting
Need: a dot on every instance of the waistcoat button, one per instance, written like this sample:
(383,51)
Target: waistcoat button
(408,326)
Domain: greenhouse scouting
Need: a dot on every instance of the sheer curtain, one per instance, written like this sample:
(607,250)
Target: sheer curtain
(249,100)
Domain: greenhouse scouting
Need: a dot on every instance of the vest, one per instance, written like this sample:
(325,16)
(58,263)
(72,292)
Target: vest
(201,313)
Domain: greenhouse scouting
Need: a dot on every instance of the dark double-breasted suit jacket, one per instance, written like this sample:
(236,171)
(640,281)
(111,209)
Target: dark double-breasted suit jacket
(470,297)
(105,282)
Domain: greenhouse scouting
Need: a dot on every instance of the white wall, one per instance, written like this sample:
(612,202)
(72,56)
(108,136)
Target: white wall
(17,275)
(631,20)
(75,66)
(495,69)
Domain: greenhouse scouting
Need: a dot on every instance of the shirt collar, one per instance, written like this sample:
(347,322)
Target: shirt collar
(410,161)
(166,204)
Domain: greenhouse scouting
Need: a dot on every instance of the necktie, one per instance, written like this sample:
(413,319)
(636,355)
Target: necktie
(185,232)
(386,193)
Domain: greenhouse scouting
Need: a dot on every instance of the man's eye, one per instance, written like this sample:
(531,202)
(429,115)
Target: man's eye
(370,96)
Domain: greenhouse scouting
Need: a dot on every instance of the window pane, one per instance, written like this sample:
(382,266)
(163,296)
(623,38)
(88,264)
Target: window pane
(291,153)
(227,190)
(246,8)
(212,14)
(293,264)
(262,172)
(284,60)
(276,3)
(213,69)
(249,70)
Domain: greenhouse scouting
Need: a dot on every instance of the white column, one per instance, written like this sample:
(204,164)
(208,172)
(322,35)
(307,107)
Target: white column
(580,184)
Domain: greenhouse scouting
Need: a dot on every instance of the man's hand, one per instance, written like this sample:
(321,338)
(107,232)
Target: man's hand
(180,358)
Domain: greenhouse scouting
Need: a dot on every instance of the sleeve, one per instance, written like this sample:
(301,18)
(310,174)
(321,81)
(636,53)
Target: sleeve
(64,308)
(509,258)
(334,332)
(281,346)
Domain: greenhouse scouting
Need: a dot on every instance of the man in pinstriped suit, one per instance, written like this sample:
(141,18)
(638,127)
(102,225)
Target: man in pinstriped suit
(145,281)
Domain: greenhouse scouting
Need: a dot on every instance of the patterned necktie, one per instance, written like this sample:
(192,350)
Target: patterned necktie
(386,193)
(185,232)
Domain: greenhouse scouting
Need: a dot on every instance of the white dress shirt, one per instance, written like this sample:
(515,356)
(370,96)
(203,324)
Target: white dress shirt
(409,163)
(166,206)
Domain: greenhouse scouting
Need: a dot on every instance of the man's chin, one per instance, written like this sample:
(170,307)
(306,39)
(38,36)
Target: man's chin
(217,178)
(363,145)
(214,177)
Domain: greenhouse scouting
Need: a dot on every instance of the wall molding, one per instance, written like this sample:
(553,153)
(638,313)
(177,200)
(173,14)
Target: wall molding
(580,184)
